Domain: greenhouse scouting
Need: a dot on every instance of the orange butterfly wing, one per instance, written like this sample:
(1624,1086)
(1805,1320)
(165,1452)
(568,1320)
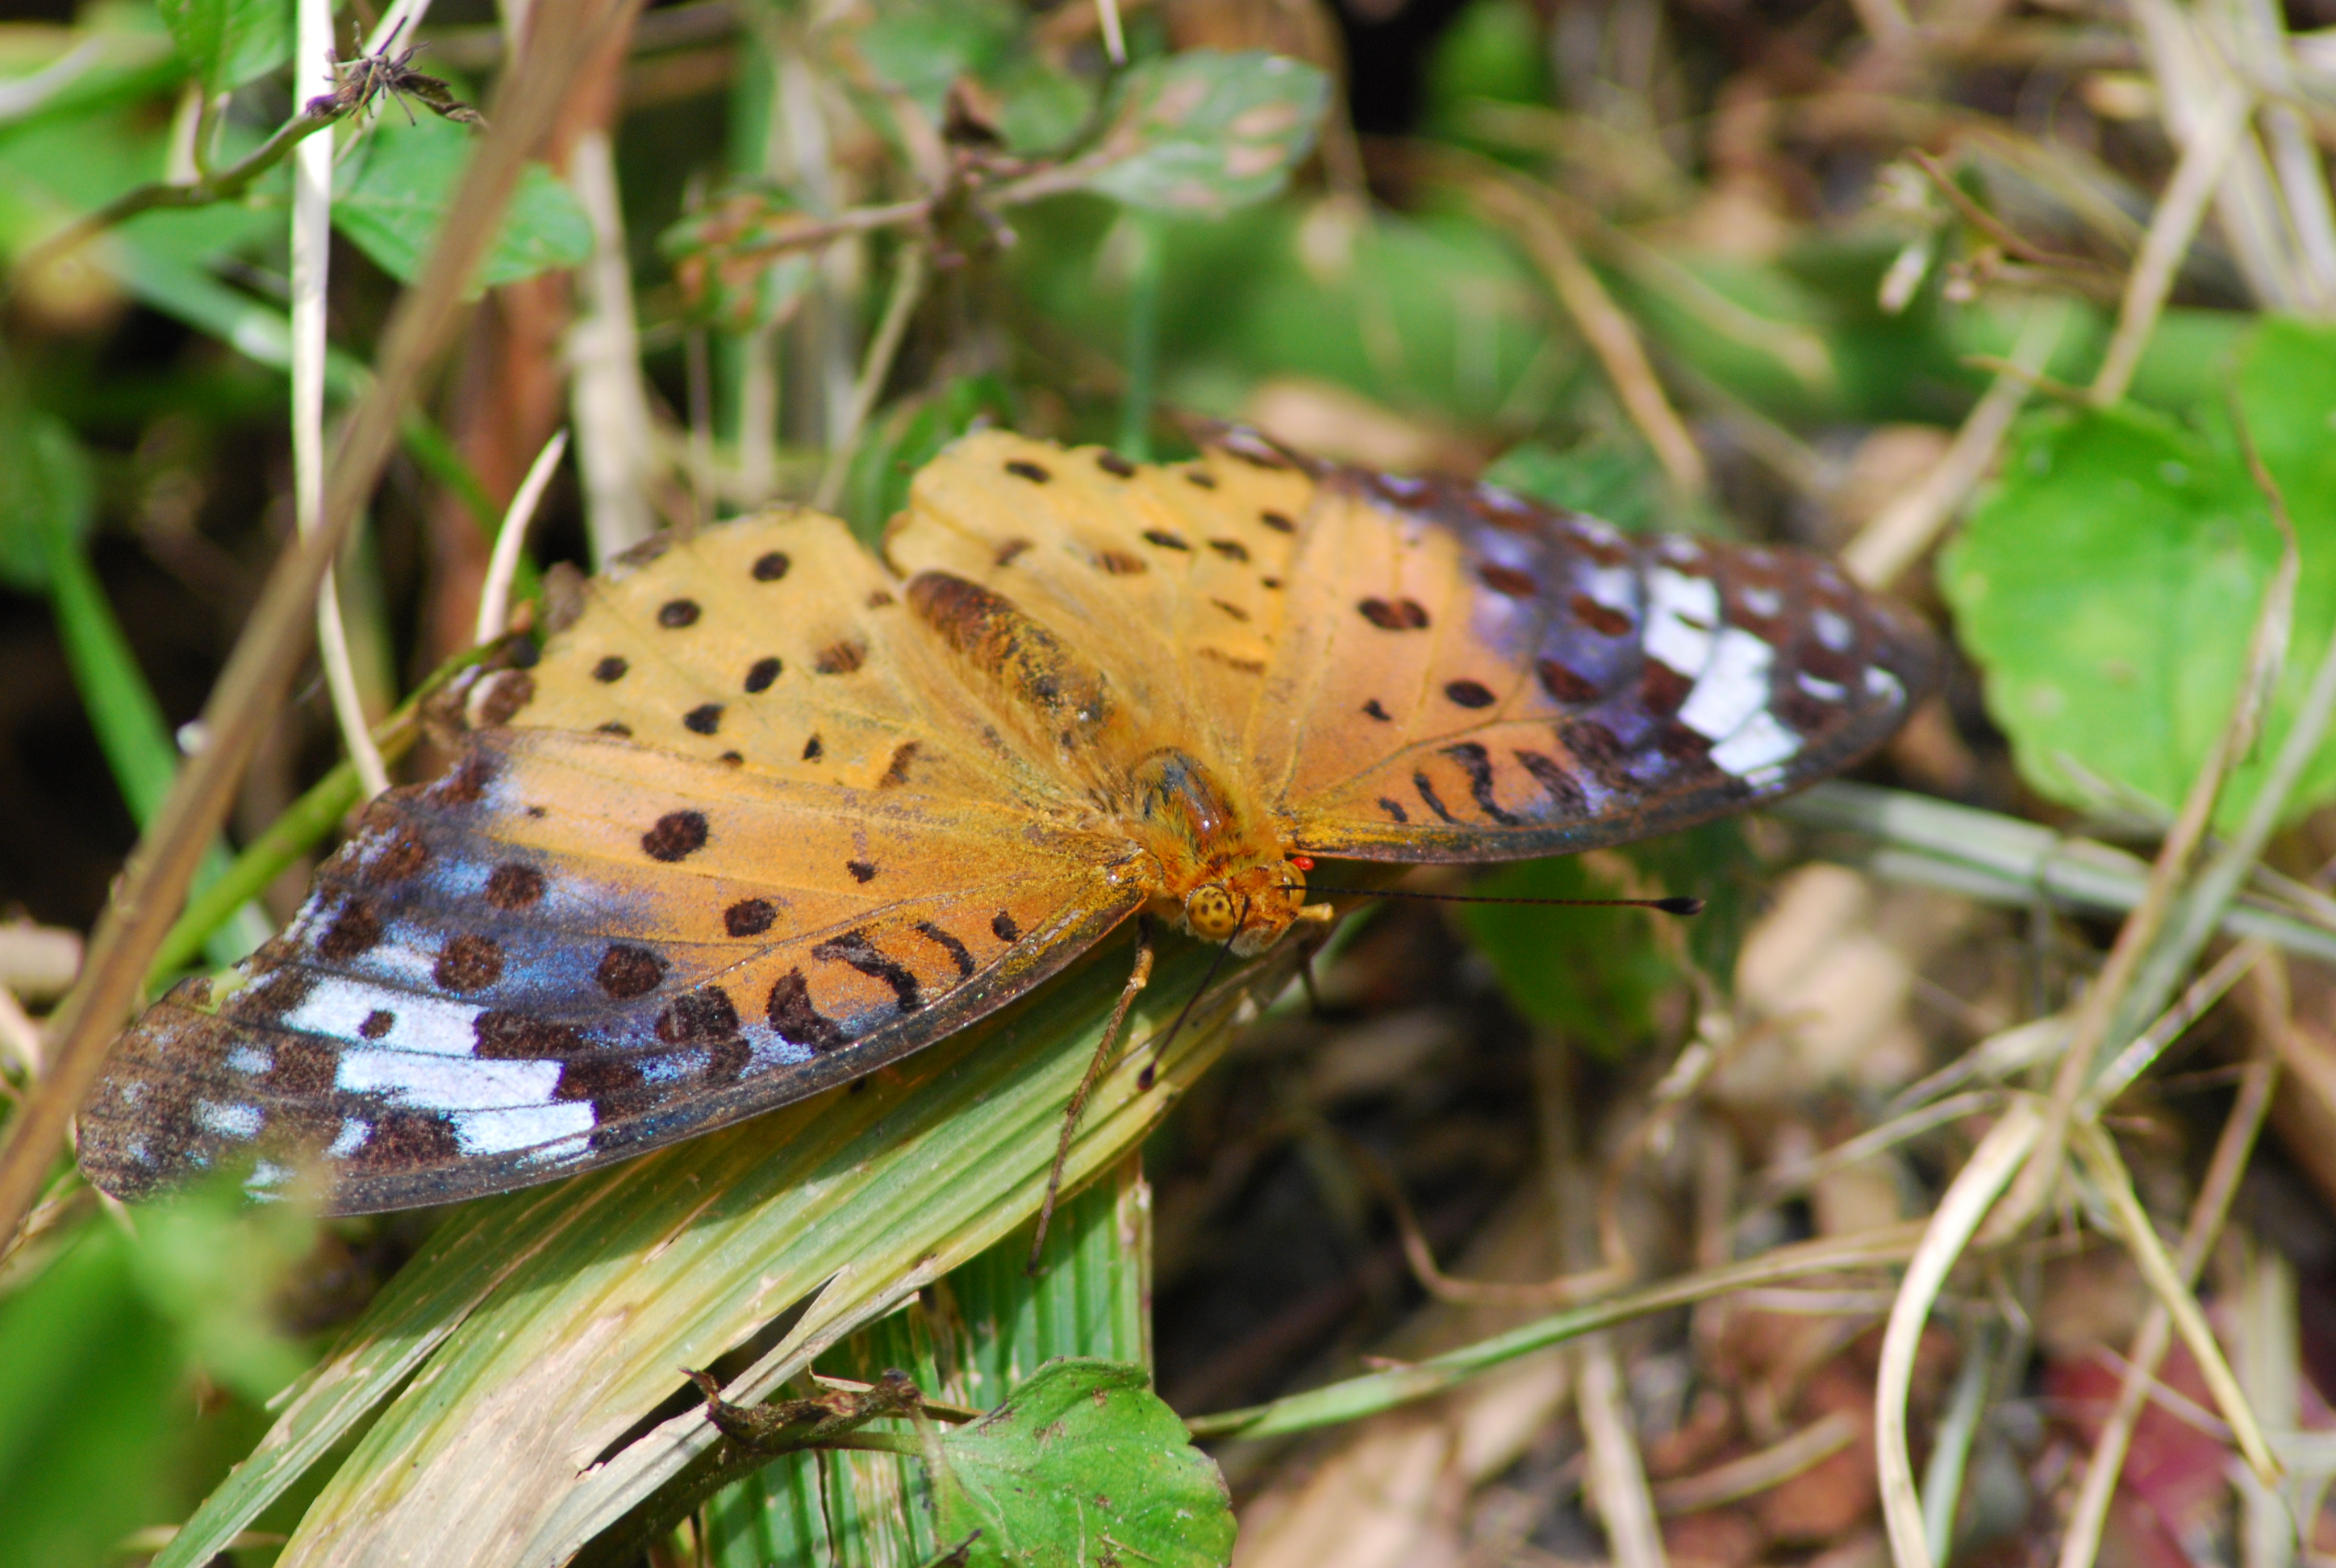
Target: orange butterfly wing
(679,888)
(1467,675)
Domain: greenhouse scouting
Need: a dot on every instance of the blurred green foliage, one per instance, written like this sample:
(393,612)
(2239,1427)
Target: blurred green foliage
(2108,582)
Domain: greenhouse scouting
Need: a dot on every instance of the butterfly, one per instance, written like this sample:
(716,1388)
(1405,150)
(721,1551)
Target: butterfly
(770,812)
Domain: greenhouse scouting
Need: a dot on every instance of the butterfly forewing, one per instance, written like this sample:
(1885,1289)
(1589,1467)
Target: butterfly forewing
(1467,675)
(576,946)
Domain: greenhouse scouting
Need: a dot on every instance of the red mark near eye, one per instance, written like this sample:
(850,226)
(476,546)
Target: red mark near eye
(1303,862)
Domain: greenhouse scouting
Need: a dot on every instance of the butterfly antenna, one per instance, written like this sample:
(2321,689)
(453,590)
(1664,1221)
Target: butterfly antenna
(1677,905)
(1138,979)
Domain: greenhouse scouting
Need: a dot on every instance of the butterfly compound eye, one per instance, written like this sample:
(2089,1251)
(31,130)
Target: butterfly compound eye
(1209,912)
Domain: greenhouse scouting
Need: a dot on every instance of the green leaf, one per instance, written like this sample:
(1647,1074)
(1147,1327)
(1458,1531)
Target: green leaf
(228,42)
(910,436)
(2106,586)
(104,1345)
(47,497)
(391,195)
(1082,1463)
(1202,133)
(1623,484)
(920,46)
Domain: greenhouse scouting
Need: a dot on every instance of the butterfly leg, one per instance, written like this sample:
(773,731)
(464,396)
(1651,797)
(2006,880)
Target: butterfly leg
(1108,1048)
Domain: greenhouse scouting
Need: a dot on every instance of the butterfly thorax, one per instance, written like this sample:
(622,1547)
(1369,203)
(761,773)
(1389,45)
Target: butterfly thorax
(1222,871)
(1210,861)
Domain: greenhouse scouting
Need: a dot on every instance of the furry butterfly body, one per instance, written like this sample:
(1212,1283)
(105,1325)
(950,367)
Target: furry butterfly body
(772,812)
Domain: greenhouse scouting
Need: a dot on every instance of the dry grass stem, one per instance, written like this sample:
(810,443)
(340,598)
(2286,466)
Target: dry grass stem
(2179,212)
(244,699)
(1756,1473)
(1901,532)
(2008,1144)
(908,289)
(1527,210)
(1617,1475)
(2098,1152)
(510,539)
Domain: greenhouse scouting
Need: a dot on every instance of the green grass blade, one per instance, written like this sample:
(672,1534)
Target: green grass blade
(130,729)
(554,1323)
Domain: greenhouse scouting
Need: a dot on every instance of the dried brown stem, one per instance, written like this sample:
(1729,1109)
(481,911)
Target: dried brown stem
(276,636)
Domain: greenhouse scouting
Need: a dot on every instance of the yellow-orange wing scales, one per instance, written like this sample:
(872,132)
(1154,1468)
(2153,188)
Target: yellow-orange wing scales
(1424,669)
(730,841)
(1468,676)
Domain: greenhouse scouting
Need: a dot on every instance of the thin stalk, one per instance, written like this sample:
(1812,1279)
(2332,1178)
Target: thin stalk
(311,245)
(274,641)
(1368,1395)
(1952,1228)
(131,731)
(2094,1145)
(210,188)
(1899,534)
(2175,224)
(908,287)
(1146,278)
(1951,1446)
(502,566)
(301,827)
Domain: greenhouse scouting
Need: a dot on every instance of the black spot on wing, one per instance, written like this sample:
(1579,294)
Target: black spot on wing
(854,948)
(1477,763)
(958,953)
(797,1021)
(1426,788)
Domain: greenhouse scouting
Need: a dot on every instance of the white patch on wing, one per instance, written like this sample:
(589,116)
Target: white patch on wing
(354,1131)
(1763,601)
(266,1174)
(1681,612)
(1823,690)
(394,960)
(1756,752)
(229,1121)
(423,1025)
(1834,629)
(1880,683)
(499,1132)
(251,1059)
(1734,686)
(1610,585)
(434,1084)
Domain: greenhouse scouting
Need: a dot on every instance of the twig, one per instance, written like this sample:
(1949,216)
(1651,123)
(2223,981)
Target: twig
(1754,1473)
(2006,1147)
(1511,202)
(226,185)
(908,287)
(1615,1479)
(1899,534)
(2202,993)
(495,593)
(2094,1145)
(1364,1396)
(1950,1445)
(312,249)
(268,654)
(1994,228)
(2179,212)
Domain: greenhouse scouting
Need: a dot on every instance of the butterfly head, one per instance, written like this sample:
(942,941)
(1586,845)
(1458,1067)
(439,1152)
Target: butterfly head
(1252,907)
